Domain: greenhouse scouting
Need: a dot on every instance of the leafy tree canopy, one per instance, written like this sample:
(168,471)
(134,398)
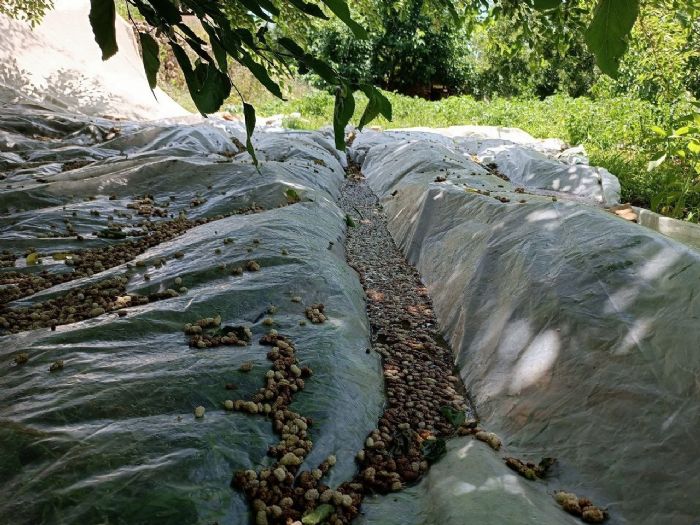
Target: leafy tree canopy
(267,37)
(30,10)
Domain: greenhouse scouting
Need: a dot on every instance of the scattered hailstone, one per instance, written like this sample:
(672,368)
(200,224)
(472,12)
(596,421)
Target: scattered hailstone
(199,412)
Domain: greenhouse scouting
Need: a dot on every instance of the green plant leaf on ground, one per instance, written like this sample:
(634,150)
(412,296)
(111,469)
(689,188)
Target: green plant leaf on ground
(33,258)
(454,416)
(318,515)
(349,221)
(292,196)
(434,449)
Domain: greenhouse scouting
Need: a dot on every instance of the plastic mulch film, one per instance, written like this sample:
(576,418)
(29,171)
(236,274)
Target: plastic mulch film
(543,166)
(575,331)
(112,437)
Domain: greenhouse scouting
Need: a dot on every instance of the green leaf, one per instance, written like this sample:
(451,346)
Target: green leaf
(151,60)
(659,131)
(217,46)
(260,73)
(319,67)
(455,417)
(694,147)
(682,131)
(656,163)
(102,17)
(608,32)
(433,449)
(341,10)
(342,113)
(656,201)
(292,196)
(208,86)
(318,515)
(249,114)
(349,221)
(541,5)
(32,258)
(255,6)
(309,8)
(377,103)
(166,10)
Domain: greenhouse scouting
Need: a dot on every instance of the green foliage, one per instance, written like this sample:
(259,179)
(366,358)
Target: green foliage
(243,31)
(102,16)
(31,11)
(434,449)
(151,60)
(409,48)
(318,515)
(454,416)
(615,131)
(502,65)
(656,68)
(679,147)
(609,30)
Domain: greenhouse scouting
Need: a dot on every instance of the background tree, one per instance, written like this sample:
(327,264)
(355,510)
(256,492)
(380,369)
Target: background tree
(30,10)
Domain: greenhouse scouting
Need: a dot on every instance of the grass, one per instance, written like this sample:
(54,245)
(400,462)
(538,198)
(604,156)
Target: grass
(614,131)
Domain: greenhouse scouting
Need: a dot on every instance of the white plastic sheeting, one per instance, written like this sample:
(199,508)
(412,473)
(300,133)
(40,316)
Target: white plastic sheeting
(112,437)
(58,64)
(538,165)
(576,331)
(469,485)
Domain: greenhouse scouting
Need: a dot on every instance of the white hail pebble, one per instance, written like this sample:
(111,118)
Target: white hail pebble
(199,411)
